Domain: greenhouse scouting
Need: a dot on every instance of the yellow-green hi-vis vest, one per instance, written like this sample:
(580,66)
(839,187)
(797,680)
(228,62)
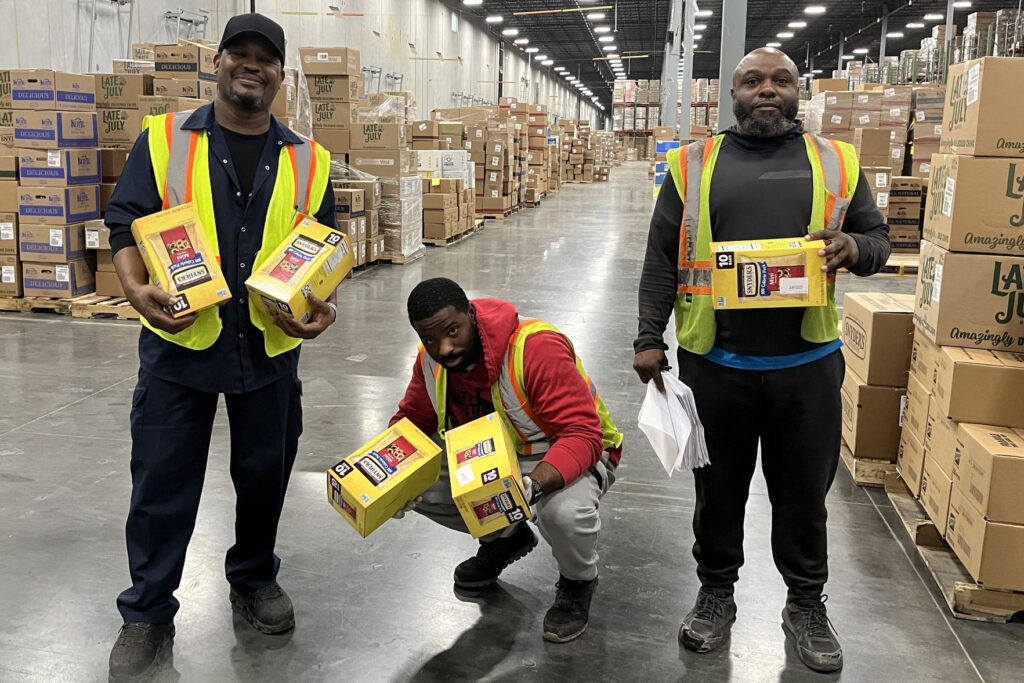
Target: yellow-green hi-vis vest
(835,171)
(181,168)
(509,397)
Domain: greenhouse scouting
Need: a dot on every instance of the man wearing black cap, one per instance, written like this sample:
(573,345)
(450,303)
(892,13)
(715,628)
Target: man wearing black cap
(249,178)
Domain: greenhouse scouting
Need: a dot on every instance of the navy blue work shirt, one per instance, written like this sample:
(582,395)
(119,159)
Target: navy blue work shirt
(237,362)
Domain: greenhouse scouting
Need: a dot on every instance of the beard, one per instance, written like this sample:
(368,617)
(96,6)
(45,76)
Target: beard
(246,101)
(748,123)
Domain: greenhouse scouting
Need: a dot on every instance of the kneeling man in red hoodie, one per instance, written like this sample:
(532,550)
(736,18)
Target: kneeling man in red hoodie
(480,357)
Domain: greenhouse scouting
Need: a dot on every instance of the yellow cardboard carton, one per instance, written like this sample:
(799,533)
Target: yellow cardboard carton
(487,485)
(368,487)
(313,260)
(778,273)
(180,260)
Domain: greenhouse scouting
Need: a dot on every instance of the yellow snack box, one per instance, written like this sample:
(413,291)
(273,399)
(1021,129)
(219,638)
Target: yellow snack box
(487,485)
(368,487)
(180,260)
(313,260)
(777,273)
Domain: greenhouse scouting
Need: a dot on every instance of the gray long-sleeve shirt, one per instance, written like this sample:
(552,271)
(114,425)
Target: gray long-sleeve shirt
(761,189)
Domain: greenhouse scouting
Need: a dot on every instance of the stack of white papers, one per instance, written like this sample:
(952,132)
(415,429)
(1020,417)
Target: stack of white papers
(669,421)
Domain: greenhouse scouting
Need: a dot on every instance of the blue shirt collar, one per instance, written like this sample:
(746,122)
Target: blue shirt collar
(202,119)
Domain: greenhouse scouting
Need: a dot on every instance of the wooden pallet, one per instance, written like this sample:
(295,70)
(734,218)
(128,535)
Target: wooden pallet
(10,303)
(867,472)
(902,264)
(494,216)
(965,598)
(32,304)
(98,306)
(400,260)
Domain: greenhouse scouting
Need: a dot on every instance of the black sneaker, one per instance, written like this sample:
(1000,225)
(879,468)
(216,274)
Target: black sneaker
(816,641)
(139,651)
(567,619)
(493,556)
(268,609)
(708,623)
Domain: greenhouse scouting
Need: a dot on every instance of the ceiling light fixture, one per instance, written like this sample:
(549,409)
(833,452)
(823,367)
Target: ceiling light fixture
(522,41)
(860,51)
(784,34)
(698,36)
(510,32)
(606,39)
(540,58)
(610,48)
(961,4)
(915,24)
(847,56)
(472,3)
(700,27)
(704,13)
(797,24)
(547,62)
(602,29)
(815,9)
(567,76)
(531,50)
(934,17)
(773,45)
(495,19)
(894,34)
(816,71)
(559,69)
(595,16)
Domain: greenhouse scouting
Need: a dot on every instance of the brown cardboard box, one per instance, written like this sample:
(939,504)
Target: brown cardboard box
(6,101)
(349,203)
(984,387)
(436,200)
(989,471)
(334,140)
(59,168)
(58,205)
(393,163)
(388,136)
(9,167)
(108,284)
(6,128)
(334,88)
(8,233)
(133,66)
(330,61)
(121,91)
(370,188)
(447,185)
(185,61)
(119,128)
(983,106)
(990,551)
(10,276)
(935,491)
(58,280)
(871,418)
(333,115)
(878,334)
(97,235)
(820,85)
(915,416)
(112,164)
(446,215)
(940,438)
(977,205)
(910,463)
(425,129)
(51,243)
(55,129)
(905,241)
(871,142)
(970,299)
(924,360)
(351,227)
(372,223)
(44,89)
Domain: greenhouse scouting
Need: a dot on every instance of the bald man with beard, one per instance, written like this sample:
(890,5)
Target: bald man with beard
(763,379)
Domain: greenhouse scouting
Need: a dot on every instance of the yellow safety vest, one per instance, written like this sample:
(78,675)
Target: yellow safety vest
(181,168)
(509,397)
(835,171)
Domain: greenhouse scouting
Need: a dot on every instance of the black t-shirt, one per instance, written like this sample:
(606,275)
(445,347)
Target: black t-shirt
(246,151)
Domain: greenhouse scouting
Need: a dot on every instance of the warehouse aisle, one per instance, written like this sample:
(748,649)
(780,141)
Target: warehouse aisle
(382,608)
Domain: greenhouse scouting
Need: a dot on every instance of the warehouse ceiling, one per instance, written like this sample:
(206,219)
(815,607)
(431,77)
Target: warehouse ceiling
(638,29)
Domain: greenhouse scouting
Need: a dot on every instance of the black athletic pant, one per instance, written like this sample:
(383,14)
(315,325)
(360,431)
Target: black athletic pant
(796,415)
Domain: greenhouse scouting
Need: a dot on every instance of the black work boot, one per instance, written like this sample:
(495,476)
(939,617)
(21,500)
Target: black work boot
(816,641)
(493,556)
(708,623)
(268,609)
(139,650)
(567,619)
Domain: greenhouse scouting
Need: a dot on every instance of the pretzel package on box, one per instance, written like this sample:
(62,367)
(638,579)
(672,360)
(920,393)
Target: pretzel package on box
(180,260)
(777,273)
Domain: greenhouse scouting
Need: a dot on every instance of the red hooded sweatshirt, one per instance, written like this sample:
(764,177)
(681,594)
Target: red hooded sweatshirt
(558,394)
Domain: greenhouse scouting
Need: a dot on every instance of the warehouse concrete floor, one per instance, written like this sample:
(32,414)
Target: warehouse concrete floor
(382,608)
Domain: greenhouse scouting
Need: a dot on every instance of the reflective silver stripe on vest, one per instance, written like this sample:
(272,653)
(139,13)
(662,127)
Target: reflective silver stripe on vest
(177,165)
(693,277)
(428,379)
(531,433)
(831,167)
(303,157)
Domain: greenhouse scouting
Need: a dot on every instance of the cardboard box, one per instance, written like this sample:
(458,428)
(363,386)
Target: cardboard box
(370,188)
(58,280)
(185,61)
(878,335)
(941,438)
(935,491)
(104,260)
(333,115)
(487,485)
(436,200)
(871,142)
(10,276)
(990,551)
(108,284)
(976,205)
(6,101)
(338,61)
(97,235)
(55,129)
(6,128)
(353,227)
(58,205)
(871,418)
(119,128)
(177,87)
(989,471)
(910,463)
(335,88)
(767,274)
(984,387)
(983,105)
(44,89)
(382,163)
(348,203)
(425,129)
(914,419)
(820,85)
(112,163)
(8,234)
(133,66)
(448,215)
(369,486)
(970,300)
(59,168)
(121,91)
(334,140)
(180,260)
(51,243)
(373,223)
(924,360)
(387,136)
(314,259)
(9,167)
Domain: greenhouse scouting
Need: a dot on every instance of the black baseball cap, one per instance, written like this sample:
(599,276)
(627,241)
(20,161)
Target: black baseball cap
(254,24)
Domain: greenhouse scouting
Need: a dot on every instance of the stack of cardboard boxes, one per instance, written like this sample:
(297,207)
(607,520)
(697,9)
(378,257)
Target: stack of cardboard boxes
(335,85)
(967,463)
(495,195)
(926,128)
(363,229)
(448,208)
(537,152)
(906,202)
(185,70)
(97,243)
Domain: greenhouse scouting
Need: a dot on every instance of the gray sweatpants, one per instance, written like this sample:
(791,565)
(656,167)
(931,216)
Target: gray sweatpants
(567,519)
